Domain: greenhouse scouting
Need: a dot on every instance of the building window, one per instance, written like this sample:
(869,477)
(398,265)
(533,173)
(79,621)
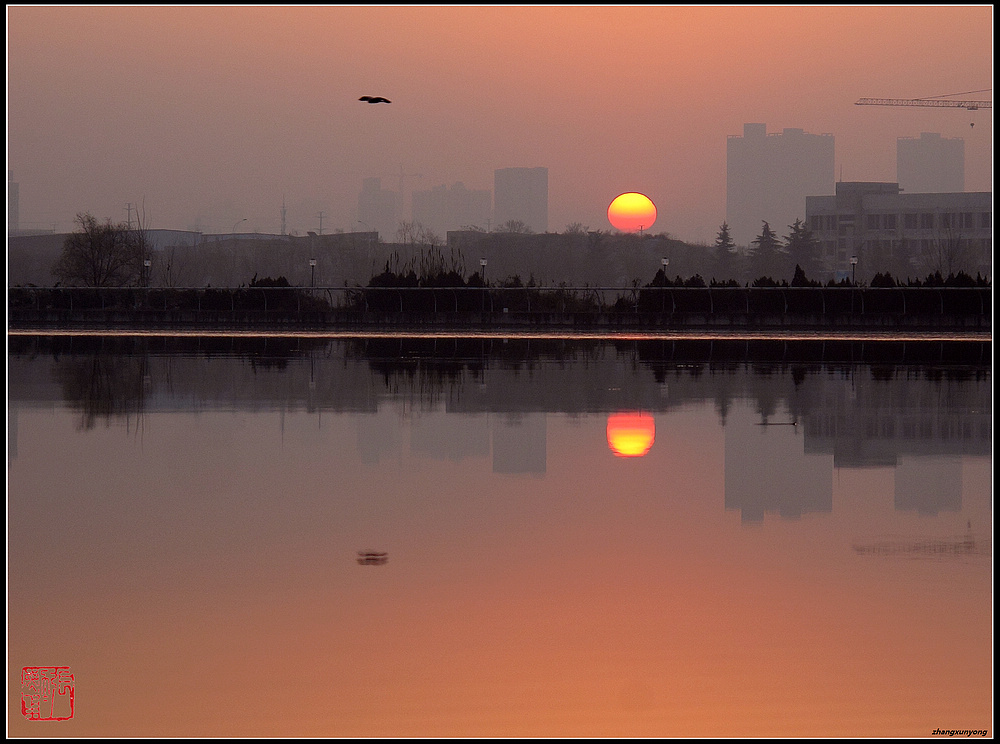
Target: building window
(872,222)
(926,220)
(815,223)
(967,221)
(831,222)
(889,221)
(986,221)
(911,221)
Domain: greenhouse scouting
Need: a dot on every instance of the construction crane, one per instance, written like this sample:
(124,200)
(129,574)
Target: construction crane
(945,101)
(970,105)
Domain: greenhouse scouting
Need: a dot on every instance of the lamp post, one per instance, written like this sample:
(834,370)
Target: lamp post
(854,266)
(146,263)
(312,272)
(664,262)
(482,271)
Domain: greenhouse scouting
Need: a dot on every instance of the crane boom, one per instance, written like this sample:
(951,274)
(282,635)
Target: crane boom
(938,103)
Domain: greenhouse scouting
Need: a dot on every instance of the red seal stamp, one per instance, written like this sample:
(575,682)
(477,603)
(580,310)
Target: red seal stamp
(47,693)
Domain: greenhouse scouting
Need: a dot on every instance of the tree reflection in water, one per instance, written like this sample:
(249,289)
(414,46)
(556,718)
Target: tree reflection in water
(103,386)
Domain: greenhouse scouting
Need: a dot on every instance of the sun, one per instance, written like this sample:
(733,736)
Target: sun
(631,434)
(632,212)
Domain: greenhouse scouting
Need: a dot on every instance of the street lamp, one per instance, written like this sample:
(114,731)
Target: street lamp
(237,223)
(482,271)
(664,262)
(145,278)
(312,272)
(854,266)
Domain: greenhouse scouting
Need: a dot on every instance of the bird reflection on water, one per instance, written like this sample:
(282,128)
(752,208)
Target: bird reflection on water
(372,558)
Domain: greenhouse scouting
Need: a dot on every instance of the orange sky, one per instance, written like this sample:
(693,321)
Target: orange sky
(211,115)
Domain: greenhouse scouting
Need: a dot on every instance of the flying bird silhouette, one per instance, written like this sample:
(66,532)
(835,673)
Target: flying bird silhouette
(374,99)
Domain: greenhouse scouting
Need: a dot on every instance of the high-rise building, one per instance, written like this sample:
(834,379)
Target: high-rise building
(521,194)
(442,208)
(378,208)
(769,176)
(930,164)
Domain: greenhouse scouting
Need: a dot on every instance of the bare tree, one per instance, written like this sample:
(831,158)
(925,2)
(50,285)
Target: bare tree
(103,254)
(514,226)
(173,267)
(947,252)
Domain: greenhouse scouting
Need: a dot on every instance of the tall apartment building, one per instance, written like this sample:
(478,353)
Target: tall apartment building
(522,194)
(906,234)
(378,209)
(442,208)
(930,164)
(769,176)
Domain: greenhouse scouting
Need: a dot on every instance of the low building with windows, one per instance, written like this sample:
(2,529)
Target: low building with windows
(869,228)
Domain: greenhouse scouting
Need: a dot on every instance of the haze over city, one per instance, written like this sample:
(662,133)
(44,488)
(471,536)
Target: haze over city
(206,116)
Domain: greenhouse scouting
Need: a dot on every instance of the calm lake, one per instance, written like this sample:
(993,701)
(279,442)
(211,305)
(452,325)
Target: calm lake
(523,537)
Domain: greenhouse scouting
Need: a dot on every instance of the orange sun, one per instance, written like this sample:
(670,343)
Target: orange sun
(631,434)
(632,212)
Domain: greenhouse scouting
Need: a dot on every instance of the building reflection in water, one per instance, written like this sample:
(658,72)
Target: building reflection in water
(916,419)
(519,443)
(768,470)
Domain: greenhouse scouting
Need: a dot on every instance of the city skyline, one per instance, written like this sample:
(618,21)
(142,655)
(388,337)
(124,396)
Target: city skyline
(205,116)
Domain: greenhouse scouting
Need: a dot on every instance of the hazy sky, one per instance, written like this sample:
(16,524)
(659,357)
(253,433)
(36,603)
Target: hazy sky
(208,115)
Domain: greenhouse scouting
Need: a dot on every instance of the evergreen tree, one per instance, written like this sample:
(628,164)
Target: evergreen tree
(804,249)
(723,254)
(766,254)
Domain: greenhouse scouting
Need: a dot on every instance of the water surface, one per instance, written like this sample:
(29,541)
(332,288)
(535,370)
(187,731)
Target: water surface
(800,544)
